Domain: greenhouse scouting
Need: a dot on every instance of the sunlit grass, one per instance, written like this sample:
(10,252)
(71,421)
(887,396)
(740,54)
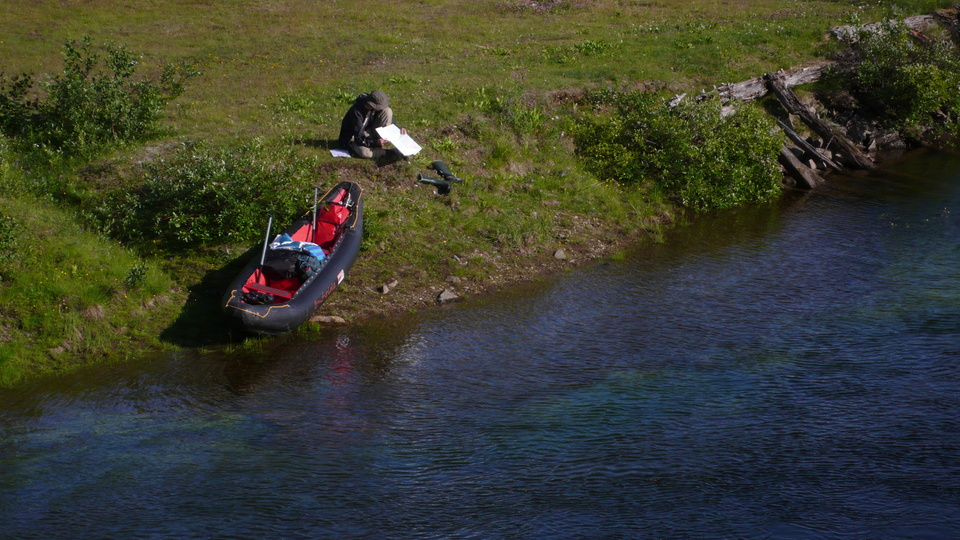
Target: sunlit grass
(252,53)
(72,292)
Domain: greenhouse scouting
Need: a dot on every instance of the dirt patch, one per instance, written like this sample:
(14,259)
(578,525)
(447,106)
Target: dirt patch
(361,299)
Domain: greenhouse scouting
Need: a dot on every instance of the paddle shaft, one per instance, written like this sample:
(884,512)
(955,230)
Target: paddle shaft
(266,240)
(313,219)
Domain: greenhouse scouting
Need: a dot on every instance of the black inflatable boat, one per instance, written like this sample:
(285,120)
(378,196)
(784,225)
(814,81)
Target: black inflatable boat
(300,268)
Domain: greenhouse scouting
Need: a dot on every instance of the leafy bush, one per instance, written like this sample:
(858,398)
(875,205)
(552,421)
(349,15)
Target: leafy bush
(205,196)
(909,84)
(692,152)
(15,107)
(94,102)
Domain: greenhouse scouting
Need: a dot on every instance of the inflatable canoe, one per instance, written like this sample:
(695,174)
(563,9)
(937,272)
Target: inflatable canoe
(300,268)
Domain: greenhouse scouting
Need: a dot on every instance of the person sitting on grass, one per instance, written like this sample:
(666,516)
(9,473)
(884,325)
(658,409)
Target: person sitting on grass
(358,130)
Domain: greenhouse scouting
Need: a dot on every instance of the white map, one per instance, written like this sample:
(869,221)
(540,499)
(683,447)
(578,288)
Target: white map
(401,141)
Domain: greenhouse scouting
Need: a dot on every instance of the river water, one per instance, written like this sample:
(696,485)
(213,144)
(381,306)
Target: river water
(788,371)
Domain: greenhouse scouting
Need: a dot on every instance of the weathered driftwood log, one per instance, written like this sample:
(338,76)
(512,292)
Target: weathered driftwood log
(757,87)
(747,90)
(809,149)
(848,151)
(805,177)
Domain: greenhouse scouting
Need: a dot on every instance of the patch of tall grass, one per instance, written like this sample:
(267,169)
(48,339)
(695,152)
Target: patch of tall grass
(902,8)
(10,234)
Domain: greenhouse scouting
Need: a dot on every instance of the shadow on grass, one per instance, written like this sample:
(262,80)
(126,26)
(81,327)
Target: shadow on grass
(325,144)
(392,156)
(202,322)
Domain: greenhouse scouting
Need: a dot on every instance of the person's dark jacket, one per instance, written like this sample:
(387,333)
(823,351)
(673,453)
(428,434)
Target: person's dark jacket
(351,128)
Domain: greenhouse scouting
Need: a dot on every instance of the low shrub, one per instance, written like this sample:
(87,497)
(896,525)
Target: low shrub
(693,152)
(96,101)
(909,84)
(202,196)
(5,176)
(564,55)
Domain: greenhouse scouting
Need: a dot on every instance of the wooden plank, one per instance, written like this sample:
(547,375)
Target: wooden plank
(805,177)
(756,87)
(808,148)
(747,90)
(850,153)
(804,75)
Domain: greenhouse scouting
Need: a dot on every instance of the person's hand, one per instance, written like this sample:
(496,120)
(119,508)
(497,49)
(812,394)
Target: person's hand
(403,131)
(383,142)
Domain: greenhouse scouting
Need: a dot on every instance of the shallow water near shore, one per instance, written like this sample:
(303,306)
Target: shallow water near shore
(791,370)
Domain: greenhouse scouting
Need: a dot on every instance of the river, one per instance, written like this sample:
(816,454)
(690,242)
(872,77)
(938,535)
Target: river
(787,371)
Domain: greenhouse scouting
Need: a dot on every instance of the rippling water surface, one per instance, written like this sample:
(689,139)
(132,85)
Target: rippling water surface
(789,371)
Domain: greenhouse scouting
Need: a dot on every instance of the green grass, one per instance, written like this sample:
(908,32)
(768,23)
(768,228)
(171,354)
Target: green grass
(70,293)
(252,52)
(491,87)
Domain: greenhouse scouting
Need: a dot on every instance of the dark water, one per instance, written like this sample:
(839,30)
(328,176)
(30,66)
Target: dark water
(791,371)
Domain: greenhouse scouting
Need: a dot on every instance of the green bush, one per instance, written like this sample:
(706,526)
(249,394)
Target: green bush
(564,55)
(95,102)
(205,196)
(909,84)
(15,107)
(691,153)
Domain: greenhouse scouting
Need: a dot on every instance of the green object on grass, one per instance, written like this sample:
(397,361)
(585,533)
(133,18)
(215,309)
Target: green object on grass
(443,187)
(441,168)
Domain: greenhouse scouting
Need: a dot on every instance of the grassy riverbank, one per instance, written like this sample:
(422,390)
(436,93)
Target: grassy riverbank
(495,89)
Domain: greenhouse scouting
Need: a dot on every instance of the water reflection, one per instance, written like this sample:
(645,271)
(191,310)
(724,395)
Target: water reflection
(789,370)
